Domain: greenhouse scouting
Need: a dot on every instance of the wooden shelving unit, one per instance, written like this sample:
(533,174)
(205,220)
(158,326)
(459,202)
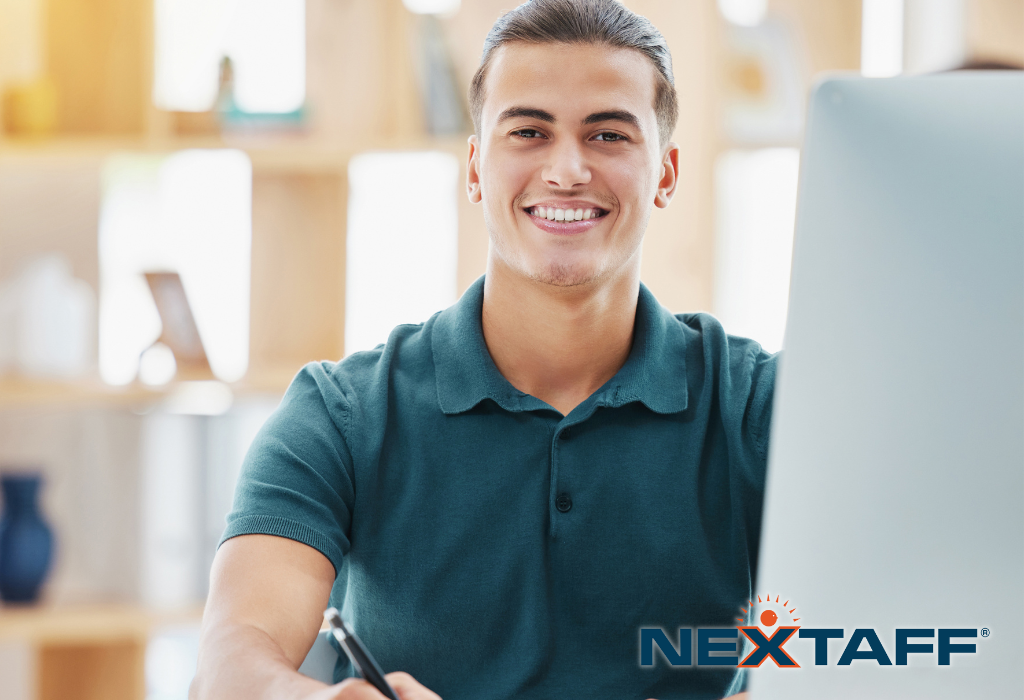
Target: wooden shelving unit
(298,244)
(99,55)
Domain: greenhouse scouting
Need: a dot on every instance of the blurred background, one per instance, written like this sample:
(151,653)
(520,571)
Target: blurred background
(199,196)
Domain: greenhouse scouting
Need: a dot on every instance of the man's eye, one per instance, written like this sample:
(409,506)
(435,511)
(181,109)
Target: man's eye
(609,136)
(527,133)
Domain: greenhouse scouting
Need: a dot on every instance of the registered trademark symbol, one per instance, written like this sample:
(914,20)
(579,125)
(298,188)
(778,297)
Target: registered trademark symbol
(985,632)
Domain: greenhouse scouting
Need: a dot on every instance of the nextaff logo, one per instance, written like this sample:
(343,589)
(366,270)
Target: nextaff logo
(749,646)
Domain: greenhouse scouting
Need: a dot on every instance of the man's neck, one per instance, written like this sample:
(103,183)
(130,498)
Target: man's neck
(559,344)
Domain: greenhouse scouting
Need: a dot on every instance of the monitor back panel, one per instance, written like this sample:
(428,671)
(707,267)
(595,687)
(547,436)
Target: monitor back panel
(895,494)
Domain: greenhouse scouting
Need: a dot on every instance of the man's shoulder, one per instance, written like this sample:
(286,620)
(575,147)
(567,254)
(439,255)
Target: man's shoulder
(706,330)
(738,365)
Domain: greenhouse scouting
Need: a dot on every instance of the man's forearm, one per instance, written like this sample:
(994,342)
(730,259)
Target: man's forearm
(241,661)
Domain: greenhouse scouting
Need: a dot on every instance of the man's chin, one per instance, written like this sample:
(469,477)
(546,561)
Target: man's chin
(564,275)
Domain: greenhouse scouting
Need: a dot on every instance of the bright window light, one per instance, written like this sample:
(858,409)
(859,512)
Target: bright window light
(746,13)
(432,7)
(189,213)
(265,40)
(881,48)
(755,194)
(402,243)
(935,35)
(171,658)
(188,46)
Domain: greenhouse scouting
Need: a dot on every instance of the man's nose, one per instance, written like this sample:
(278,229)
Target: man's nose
(567,166)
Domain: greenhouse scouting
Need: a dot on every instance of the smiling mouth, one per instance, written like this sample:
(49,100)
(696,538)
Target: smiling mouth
(567,215)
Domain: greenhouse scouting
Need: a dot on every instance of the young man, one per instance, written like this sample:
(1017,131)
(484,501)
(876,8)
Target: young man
(504,495)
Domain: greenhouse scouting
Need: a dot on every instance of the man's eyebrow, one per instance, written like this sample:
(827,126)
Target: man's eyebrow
(615,115)
(529,112)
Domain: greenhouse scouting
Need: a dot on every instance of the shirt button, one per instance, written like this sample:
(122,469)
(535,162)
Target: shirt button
(564,435)
(563,503)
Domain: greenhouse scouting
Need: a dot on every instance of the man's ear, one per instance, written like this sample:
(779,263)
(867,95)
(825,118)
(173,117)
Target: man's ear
(669,176)
(473,171)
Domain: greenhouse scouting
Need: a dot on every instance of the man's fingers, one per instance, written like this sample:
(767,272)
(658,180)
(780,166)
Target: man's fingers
(408,688)
(357,689)
(350,689)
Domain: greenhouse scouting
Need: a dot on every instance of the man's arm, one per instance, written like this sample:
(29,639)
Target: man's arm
(266,603)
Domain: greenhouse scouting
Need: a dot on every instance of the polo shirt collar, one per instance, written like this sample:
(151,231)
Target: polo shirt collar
(654,373)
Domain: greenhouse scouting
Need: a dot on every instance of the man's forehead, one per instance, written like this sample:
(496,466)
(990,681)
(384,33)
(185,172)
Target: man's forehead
(570,75)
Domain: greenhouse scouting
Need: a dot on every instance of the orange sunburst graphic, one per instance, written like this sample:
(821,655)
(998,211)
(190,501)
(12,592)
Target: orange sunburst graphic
(767,613)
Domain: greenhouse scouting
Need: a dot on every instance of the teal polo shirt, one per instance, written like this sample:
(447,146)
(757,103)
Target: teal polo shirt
(494,548)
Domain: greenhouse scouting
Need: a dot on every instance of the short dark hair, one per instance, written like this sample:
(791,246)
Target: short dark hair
(583,22)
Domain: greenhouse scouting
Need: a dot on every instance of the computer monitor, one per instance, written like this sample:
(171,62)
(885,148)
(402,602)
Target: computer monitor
(895,492)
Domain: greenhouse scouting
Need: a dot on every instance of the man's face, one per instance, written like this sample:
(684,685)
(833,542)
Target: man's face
(568,162)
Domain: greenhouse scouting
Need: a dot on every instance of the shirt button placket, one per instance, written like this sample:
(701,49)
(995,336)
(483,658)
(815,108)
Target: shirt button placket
(562,500)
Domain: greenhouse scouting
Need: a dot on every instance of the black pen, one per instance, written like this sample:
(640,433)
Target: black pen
(360,657)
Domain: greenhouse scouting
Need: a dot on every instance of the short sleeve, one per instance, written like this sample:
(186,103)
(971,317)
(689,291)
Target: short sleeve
(296,480)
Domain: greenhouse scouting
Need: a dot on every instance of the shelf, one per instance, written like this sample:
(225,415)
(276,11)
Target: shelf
(86,624)
(20,392)
(267,152)
(73,625)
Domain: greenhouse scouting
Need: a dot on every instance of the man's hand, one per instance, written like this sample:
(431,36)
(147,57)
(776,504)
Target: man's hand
(265,608)
(356,689)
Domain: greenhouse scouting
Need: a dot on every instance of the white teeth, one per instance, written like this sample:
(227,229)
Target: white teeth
(553,214)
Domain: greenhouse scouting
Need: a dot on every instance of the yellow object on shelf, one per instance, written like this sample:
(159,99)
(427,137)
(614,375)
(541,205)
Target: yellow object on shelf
(30,109)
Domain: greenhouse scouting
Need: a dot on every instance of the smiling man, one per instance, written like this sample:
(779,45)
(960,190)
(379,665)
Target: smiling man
(500,498)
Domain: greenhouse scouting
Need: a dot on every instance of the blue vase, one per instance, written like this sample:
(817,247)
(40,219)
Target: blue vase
(26,542)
